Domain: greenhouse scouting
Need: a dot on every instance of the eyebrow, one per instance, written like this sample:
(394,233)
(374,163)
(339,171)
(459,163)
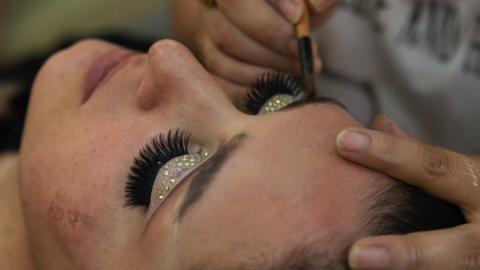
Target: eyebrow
(205,176)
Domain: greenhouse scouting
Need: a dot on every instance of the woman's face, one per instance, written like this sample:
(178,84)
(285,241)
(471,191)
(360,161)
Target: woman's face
(269,184)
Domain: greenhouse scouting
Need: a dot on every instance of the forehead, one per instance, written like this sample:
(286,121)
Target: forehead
(282,184)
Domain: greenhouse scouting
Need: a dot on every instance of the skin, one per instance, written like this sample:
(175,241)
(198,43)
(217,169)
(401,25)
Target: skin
(237,46)
(75,159)
(75,217)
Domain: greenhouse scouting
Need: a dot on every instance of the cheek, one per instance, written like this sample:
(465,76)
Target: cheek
(72,188)
(52,192)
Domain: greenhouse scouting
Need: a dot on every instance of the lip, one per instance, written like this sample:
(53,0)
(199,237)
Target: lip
(101,68)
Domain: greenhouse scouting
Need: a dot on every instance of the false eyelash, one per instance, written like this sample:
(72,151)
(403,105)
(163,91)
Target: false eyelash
(268,85)
(149,161)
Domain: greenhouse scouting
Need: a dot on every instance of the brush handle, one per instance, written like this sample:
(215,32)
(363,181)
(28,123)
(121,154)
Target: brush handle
(303,25)
(306,61)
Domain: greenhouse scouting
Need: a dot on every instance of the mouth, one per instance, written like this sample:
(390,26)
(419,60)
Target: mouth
(104,65)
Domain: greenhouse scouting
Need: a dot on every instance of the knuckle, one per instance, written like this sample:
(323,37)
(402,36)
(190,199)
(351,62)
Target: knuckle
(470,252)
(220,31)
(437,162)
(415,256)
(222,36)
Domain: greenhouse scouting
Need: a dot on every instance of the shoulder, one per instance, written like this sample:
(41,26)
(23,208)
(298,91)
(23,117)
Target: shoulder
(8,167)
(13,244)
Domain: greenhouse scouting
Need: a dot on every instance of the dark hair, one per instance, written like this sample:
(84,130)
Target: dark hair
(392,208)
(402,209)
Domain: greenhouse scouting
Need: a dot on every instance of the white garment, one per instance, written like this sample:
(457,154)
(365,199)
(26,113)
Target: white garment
(422,59)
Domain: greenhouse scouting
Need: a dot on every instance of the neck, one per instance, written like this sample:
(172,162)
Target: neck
(14,248)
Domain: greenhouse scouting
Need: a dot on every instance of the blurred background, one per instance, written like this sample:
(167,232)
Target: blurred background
(31,27)
(31,30)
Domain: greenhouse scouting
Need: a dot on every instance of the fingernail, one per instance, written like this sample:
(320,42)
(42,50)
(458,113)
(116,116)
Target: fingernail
(319,6)
(369,258)
(293,48)
(292,9)
(353,141)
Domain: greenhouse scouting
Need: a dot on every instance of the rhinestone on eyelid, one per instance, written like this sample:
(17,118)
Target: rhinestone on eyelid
(174,168)
(276,103)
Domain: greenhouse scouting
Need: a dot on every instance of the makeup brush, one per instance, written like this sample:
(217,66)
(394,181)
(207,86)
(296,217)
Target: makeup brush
(306,53)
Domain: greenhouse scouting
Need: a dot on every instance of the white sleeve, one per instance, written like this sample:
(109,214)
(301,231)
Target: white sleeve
(421,59)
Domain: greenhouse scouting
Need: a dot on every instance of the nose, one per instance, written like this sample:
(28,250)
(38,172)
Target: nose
(177,82)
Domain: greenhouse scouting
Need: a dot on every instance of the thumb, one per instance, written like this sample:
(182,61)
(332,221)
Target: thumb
(291,9)
(454,248)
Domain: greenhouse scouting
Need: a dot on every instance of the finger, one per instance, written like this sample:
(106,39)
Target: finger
(455,248)
(321,6)
(260,21)
(227,67)
(232,41)
(448,175)
(385,124)
(291,9)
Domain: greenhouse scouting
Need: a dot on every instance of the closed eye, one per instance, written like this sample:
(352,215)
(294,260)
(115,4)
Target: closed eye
(276,89)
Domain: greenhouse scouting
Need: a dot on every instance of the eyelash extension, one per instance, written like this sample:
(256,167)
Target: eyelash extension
(149,161)
(268,85)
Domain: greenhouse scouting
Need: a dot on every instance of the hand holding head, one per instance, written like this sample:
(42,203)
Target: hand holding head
(446,174)
(240,40)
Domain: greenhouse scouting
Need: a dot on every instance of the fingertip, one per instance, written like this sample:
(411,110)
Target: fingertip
(291,9)
(319,6)
(353,140)
(372,257)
